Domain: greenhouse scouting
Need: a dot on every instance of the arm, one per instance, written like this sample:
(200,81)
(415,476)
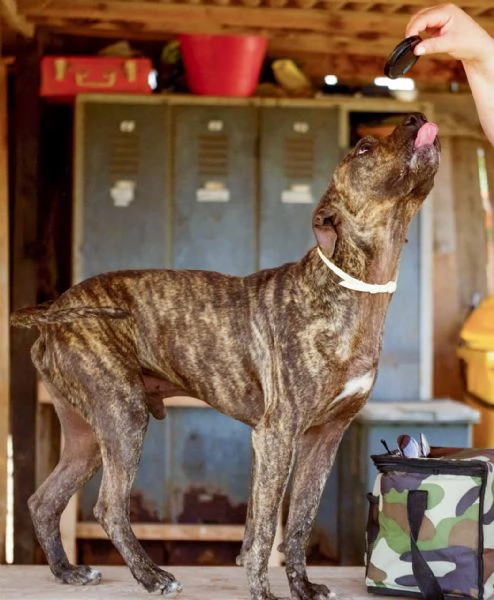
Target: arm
(455,33)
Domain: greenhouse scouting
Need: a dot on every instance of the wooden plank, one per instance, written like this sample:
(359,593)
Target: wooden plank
(447,320)
(14,20)
(489,162)
(200,583)
(353,66)
(169,531)
(68,528)
(4,307)
(330,5)
(471,239)
(261,18)
(24,288)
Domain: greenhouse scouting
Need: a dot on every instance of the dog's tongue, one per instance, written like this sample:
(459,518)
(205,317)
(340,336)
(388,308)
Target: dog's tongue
(426,135)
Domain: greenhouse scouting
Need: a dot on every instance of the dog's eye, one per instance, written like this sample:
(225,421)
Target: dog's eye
(363,148)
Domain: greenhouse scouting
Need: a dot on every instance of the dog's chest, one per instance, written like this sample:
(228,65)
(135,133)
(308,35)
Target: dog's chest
(359,385)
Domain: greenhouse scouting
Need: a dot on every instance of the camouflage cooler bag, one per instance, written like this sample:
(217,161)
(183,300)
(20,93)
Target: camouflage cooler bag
(430,531)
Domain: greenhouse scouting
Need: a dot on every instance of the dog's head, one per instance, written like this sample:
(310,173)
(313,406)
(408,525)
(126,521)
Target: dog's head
(378,187)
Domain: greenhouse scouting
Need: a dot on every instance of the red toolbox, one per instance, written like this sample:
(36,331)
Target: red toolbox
(62,77)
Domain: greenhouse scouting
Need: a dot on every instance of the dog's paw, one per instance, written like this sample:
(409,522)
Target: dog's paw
(161,582)
(240,560)
(78,575)
(311,591)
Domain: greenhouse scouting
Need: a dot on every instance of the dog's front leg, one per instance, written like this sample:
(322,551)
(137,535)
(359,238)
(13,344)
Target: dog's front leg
(315,454)
(272,457)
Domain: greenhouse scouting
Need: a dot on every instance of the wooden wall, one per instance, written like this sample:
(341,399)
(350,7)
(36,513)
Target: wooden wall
(460,268)
(4,307)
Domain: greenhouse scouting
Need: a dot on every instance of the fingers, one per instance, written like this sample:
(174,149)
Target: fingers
(451,31)
(433,45)
(435,18)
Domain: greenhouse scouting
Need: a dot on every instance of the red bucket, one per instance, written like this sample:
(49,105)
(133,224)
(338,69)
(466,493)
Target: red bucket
(222,65)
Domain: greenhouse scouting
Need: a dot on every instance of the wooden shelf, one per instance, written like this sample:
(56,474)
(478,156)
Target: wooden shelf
(89,530)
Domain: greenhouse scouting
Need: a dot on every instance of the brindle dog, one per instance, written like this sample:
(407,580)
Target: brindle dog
(290,351)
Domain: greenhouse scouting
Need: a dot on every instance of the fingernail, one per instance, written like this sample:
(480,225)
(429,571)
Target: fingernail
(419,50)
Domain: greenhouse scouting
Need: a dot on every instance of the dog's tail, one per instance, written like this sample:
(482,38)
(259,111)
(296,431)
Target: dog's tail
(44,315)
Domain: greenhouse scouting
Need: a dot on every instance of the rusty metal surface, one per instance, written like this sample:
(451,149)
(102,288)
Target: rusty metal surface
(195,468)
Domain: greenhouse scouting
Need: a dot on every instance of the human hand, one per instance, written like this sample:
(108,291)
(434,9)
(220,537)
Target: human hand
(452,31)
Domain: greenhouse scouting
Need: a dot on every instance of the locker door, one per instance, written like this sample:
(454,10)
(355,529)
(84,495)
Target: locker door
(120,223)
(120,217)
(214,229)
(299,150)
(400,371)
(214,188)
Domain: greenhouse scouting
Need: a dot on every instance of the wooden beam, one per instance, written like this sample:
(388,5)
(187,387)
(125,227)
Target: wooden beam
(169,531)
(367,25)
(285,43)
(15,21)
(316,20)
(4,308)
(24,291)
(361,69)
(418,3)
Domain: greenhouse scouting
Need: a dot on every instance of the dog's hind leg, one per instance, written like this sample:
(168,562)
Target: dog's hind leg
(316,451)
(247,541)
(79,460)
(121,429)
(272,451)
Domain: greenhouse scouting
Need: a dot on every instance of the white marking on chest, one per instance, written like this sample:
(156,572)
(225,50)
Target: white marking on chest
(358,385)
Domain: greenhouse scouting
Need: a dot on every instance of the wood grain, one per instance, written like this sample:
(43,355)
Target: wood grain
(4,307)
(200,583)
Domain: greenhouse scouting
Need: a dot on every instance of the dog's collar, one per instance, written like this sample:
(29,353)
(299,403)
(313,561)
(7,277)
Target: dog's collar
(351,283)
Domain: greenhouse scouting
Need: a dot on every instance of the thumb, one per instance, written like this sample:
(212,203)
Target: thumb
(433,45)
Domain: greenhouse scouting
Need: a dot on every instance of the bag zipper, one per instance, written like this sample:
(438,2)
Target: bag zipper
(436,466)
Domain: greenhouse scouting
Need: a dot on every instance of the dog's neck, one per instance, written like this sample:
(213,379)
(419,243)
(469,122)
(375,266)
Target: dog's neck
(373,262)
(351,283)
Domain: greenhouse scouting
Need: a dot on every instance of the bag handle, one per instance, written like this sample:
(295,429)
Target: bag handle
(425,578)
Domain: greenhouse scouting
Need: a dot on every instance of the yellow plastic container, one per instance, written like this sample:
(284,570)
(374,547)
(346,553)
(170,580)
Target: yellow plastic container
(477,360)
(478,329)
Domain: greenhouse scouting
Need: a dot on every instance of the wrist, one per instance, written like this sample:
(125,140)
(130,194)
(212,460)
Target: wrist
(482,64)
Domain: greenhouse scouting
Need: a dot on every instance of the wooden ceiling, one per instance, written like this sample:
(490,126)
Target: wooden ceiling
(350,39)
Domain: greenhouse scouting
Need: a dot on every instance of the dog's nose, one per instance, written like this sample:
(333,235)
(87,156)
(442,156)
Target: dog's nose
(415,120)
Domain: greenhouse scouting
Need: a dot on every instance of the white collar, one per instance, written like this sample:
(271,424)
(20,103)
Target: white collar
(351,283)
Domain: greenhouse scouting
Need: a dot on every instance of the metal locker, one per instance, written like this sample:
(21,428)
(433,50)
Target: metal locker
(215,188)
(298,152)
(209,467)
(399,376)
(214,216)
(121,220)
(120,188)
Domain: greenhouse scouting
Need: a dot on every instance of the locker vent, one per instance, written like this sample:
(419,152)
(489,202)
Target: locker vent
(124,155)
(213,156)
(298,160)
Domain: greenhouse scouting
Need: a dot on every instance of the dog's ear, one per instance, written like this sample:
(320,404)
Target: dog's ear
(324,230)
